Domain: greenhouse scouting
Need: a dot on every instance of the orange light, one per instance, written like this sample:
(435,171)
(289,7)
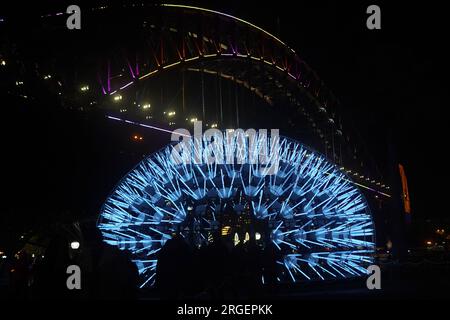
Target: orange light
(226,230)
(406,199)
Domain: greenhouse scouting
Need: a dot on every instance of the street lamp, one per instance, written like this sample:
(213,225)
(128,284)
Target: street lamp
(75,245)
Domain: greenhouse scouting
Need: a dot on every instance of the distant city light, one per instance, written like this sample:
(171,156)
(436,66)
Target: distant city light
(4,257)
(226,230)
(75,245)
(257,236)
(193,119)
(3,63)
(84,88)
(429,243)
(170,113)
(117,97)
(236,239)
(214,125)
(146,106)
(48,76)
(19,83)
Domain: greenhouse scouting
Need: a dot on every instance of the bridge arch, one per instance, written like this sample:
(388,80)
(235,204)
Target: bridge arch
(184,40)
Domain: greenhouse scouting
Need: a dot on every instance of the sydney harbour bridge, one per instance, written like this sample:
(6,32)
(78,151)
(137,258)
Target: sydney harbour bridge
(185,64)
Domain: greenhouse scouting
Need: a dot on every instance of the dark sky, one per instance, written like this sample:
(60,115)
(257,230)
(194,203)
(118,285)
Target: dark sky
(390,81)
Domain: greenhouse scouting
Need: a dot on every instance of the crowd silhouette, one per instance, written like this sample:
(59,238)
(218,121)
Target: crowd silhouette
(106,272)
(215,270)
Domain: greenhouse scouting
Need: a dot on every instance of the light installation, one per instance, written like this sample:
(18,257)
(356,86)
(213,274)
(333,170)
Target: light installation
(317,218)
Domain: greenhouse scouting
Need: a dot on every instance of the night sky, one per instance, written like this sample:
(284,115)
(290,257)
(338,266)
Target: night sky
(390,82)
(387,80)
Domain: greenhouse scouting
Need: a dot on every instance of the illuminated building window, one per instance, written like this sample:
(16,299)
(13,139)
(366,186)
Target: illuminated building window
(236,239)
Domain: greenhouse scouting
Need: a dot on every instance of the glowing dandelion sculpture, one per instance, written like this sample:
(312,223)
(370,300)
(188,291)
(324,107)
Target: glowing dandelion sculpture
(317,219)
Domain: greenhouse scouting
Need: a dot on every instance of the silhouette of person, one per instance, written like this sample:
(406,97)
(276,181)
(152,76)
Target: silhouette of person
(238,270)
(110,272)
(117,275)
(171,277)
(253,268)
(20,274)
(269,263)
(50,275)
(216,263)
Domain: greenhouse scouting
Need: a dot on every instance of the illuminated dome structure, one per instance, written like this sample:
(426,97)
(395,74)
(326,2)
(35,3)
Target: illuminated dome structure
(315,216)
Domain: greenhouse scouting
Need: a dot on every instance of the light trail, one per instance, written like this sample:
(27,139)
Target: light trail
(188,136)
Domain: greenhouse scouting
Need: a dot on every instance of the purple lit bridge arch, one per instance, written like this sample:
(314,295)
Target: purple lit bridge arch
(212,42)
(225,37)
(126,52)
(179,38)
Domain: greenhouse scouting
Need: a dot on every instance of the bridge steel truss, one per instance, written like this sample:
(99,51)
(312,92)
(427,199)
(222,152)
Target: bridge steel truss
(177,37)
